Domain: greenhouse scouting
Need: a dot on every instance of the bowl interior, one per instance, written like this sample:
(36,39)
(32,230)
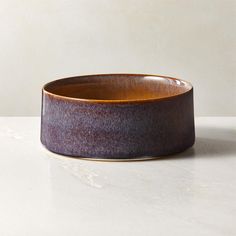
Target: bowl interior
(126,87)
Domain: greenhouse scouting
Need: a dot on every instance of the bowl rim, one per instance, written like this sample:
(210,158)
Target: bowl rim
(117,101)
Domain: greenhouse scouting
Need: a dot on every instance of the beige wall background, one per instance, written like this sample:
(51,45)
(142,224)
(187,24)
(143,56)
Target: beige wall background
(42,40)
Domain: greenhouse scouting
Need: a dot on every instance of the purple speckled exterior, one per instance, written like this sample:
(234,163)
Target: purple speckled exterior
(117,130)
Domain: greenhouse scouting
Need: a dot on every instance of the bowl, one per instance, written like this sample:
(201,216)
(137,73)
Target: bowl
(117,116)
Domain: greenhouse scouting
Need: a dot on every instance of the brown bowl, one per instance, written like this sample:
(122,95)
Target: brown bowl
(117,116)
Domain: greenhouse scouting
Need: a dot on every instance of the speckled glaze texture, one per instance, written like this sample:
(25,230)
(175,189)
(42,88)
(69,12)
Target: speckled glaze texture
(117,130)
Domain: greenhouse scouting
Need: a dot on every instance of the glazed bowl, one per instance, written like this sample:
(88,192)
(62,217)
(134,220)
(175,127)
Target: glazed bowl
(117,116)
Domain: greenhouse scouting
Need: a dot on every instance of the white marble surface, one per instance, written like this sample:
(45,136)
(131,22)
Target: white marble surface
(193,193)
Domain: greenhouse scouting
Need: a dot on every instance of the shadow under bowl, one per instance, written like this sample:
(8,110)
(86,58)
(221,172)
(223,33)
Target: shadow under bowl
(117,116)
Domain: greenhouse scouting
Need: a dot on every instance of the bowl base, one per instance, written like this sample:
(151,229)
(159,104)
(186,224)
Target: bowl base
(142,158)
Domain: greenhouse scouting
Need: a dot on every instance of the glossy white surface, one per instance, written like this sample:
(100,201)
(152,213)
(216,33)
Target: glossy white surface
(193,193)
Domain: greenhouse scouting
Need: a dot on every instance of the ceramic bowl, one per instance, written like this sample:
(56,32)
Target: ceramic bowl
(117,116)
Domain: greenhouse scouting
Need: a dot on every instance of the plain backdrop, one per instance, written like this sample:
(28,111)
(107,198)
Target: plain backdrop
(43,40)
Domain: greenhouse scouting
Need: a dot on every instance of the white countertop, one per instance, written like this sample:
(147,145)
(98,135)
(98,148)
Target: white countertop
(193,193)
